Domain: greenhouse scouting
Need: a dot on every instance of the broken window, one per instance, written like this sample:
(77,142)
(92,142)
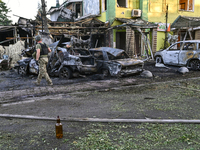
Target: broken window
(98,55)
(104,5)
(78,10)
(121,3)
(189,46)
(187,5)
(175,47)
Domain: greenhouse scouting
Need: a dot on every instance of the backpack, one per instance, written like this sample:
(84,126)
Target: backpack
(44,50)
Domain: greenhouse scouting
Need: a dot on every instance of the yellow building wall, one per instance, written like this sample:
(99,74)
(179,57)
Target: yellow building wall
(157,13)
(160,40)
(116,23)
(122,12)
(157,10)
(102,17)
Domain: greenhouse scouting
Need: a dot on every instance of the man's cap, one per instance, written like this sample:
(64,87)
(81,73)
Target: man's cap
(37,38)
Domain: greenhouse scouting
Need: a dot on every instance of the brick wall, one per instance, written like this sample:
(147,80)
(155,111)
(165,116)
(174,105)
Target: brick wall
(130,41)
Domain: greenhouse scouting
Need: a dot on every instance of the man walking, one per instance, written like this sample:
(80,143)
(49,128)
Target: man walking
(42,51)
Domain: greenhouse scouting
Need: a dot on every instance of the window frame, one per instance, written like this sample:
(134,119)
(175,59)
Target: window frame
(188,6)
(103,5)
(126,4)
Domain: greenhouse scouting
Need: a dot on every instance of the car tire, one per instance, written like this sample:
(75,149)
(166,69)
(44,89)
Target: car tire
(65,73)
(194,64)
(22,70)
(105,72)
(49,71)
(159,59)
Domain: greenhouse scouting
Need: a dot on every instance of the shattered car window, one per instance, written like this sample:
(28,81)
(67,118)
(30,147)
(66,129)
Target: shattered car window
(79,52)
(176,46)
(119,56)
(190,46)
(98,55)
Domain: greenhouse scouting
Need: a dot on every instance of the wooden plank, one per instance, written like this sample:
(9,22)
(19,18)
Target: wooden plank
(10,38)
(148,42)
(154,40)
(197,35)
(73,27)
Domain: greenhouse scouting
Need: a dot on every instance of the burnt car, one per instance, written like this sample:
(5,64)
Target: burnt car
(115,62)
(27,65)
(182,53)
(71,63)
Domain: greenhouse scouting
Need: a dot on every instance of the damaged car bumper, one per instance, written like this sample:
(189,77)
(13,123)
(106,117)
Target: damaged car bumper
(126,67)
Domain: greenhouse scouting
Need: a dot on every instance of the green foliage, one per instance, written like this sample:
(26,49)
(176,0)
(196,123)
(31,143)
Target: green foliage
(144,136)
(3,14)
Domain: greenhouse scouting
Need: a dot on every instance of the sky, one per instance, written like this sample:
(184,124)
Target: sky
(26,8)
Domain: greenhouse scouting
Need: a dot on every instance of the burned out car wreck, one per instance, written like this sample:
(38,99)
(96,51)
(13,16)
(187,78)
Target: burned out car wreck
(104,60)
(182,53)
(66,65)
(79,60)
(115,62)
(73,62)
(27,65)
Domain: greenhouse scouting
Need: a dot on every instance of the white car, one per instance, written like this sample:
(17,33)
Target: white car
(182,53)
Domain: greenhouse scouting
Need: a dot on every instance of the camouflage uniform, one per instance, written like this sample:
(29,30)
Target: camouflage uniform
(42,68)
(43,71)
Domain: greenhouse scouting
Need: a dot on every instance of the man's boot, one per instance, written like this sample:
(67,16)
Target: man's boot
(36,83)
(50,83)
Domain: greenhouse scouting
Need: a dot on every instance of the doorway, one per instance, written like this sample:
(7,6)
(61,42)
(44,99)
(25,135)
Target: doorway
(137,44)
(121,40)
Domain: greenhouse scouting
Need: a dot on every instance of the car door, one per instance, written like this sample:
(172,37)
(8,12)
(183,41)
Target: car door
(189,51)
(171,55)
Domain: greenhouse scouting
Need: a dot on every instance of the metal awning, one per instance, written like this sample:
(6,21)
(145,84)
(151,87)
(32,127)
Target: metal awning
(136,23)
(184,21)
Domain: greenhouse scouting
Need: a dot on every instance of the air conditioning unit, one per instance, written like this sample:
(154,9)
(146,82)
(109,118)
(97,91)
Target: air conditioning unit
(136,13)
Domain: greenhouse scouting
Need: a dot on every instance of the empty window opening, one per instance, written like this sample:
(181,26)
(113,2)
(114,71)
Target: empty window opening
(121,3)
(187,5)
(121,40)
(78,10)
(104,5)
(190,46)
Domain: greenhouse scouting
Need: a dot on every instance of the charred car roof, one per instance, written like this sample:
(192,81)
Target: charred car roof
(113,51)
(53,45)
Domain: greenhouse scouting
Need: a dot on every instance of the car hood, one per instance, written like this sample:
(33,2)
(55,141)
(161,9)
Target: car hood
(160,50)
(129,62)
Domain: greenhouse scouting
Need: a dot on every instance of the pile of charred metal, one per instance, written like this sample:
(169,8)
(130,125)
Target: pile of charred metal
(80,60)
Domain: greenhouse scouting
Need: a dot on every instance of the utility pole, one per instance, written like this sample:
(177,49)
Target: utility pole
(165,44)
(44,16)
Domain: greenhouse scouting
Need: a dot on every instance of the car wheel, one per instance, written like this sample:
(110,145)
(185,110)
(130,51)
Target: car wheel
(194,65)
(50,72)
(22,70)
(105,72)
(159,59)
(65,73)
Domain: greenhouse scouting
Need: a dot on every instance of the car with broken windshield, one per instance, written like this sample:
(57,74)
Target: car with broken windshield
(116,62)
(182,53)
